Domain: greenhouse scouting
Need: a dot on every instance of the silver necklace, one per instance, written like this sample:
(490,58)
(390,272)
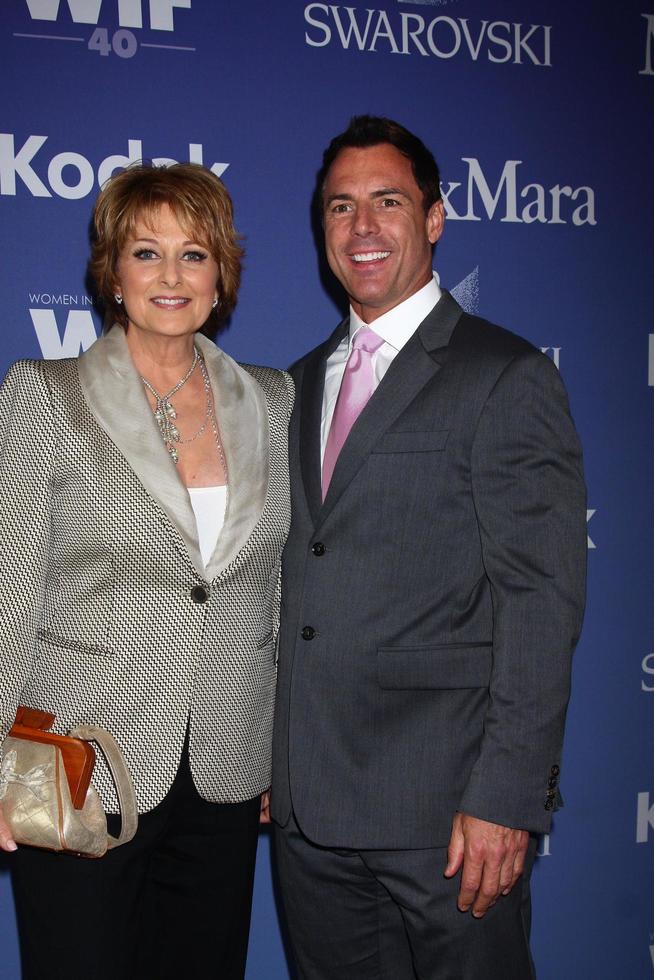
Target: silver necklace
(166,415)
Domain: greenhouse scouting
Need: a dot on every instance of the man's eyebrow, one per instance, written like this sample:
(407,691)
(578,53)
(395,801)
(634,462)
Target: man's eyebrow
(382,192)
(389,190)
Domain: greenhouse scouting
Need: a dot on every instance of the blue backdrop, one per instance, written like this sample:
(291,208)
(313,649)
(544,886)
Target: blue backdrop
(540,116)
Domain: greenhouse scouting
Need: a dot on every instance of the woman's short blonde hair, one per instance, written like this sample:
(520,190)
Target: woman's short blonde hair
(203,208)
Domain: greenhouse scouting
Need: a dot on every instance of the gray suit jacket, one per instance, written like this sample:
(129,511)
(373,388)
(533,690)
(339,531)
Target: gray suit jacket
(431,605)
(101,570)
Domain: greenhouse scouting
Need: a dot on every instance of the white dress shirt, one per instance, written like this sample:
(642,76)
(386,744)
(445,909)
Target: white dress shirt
(395,327)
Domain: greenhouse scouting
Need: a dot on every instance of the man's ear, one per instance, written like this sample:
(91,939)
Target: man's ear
(435,221)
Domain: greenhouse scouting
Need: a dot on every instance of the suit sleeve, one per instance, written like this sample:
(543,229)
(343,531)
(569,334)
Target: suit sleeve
(530,501)
(26,466)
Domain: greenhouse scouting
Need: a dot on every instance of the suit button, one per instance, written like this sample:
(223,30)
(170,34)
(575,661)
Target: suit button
(318,549)
(308,633)
(551,793)
(549,804)
(554,771)
(199,593)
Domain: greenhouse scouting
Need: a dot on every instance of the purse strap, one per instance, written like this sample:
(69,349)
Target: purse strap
(121,777)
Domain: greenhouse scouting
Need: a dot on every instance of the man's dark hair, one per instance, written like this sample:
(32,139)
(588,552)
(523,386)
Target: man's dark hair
(365,131)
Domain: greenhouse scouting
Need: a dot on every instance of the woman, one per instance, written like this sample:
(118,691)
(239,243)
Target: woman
(143,511)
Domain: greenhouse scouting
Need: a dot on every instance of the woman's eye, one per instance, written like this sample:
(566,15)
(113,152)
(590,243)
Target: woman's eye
(195,256)
(144,253)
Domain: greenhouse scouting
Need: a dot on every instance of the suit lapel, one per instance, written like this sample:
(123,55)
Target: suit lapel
(416,364)
(313,384)
(114,394)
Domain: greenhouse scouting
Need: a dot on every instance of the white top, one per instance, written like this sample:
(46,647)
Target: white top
(395,327)
(209,505)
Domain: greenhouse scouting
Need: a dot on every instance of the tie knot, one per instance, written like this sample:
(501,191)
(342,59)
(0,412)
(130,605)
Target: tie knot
(367,340)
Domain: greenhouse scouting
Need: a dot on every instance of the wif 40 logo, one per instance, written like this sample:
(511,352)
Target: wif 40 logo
(103,40)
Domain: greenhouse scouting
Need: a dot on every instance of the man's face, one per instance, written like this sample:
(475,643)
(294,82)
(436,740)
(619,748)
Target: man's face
(377,235)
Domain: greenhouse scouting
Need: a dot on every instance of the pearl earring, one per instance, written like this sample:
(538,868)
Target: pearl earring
(118,298)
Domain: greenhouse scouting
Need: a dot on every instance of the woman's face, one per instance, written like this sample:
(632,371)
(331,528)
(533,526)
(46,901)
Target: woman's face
(167,281)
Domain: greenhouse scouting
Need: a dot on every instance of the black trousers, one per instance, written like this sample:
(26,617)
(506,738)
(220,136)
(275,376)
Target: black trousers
(391,915)
(174,902)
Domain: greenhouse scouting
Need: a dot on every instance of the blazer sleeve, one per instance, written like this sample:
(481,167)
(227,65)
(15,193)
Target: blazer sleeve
(530,501)
(290,393)
(27,452)
(277,598)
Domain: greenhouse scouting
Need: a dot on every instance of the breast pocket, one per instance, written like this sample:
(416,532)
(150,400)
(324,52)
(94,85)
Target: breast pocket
(431,441)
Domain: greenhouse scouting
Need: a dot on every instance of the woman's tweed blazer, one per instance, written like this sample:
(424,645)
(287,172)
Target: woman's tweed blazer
(101,585)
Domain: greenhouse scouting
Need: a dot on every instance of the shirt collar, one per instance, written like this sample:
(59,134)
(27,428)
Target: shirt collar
(397,325)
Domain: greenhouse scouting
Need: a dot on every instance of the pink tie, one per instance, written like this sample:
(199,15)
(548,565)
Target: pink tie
(356,388)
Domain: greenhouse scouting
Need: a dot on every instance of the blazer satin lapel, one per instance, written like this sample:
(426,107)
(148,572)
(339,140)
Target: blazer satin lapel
(114,394)
(242,414)
(313,384)
(415,365)
(109,379)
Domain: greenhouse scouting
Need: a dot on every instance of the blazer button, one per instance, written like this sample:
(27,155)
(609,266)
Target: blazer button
(318,549)
(308,633)
(554,771)
(549,804)
(199,593)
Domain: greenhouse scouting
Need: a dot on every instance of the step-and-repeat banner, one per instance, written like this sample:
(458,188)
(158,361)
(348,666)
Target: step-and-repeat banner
(540,116)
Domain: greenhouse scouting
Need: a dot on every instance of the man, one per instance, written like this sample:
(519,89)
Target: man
(433,594)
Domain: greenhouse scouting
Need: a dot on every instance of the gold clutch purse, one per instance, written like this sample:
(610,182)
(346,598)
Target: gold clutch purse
(45,787)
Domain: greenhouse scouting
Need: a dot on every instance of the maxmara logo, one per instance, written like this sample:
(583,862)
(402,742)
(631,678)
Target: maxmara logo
(70,174)
(104,40)
(513,197)
(403,32)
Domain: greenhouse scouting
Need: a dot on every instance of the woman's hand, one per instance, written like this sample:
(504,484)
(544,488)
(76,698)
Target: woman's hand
(264,816)
(7,843)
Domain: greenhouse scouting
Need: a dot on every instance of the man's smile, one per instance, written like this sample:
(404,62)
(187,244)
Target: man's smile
(369,256)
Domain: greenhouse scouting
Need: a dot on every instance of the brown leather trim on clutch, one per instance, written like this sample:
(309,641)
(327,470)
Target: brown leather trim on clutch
(78,756)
